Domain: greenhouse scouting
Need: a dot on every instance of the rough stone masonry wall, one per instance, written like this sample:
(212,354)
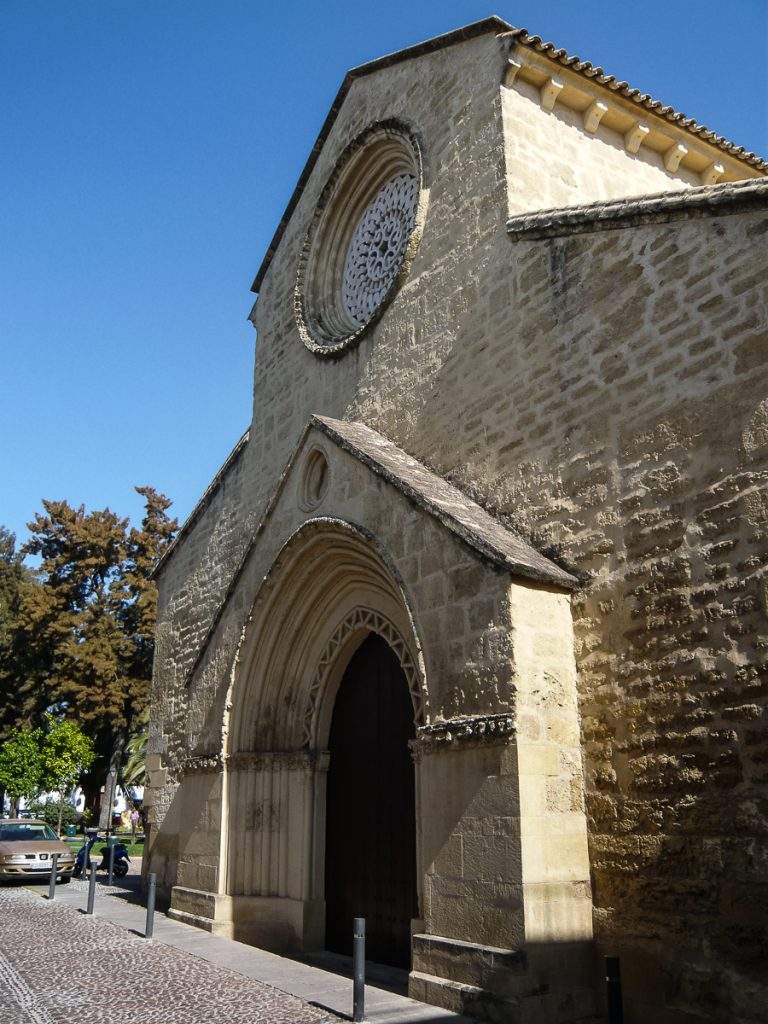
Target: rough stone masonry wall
(452,98)
(191,586)
(607,393)
(621,412)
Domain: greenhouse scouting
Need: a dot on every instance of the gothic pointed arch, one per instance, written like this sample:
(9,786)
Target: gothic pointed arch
(330,586)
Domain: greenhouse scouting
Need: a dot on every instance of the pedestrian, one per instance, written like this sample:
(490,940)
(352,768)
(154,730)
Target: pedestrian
(134,823)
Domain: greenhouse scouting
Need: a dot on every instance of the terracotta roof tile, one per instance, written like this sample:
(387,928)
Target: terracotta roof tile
(642,99)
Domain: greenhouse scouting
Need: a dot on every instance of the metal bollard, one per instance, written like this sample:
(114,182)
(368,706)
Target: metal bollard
(110,877)
(613,990)
(91,887)
(358,970)
(151,885)
(54,872)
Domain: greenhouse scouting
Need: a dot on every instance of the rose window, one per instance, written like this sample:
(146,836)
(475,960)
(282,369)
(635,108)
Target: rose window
(378,245)
(362,238)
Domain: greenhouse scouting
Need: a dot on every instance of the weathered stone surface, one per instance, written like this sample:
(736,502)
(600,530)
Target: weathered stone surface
(603,394)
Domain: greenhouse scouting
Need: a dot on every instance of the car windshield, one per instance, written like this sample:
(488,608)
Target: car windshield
(25,833)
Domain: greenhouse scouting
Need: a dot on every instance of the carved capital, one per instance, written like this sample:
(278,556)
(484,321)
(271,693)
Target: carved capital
(277,760)
(202,764)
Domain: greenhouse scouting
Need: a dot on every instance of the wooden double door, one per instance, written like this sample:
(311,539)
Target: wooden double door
(370,859)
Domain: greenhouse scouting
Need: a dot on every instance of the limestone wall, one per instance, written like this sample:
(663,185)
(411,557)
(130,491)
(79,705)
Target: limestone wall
(553,162)
(608,394)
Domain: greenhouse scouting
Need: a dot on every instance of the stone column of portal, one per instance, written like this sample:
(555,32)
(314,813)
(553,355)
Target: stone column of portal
(271,875)
(507,905)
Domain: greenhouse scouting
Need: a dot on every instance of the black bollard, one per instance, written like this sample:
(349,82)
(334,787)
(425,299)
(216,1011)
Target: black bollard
(613,990)
(54,872)
(151,885)
(91,887)
(111,875)
(358,970)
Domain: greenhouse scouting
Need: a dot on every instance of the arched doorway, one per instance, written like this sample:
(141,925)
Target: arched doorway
(370,861)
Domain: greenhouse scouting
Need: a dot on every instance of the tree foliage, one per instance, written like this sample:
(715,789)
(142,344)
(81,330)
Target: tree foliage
(21,769)
(135,768)
(56,813)
(15,580)
(82,635)
(65,754)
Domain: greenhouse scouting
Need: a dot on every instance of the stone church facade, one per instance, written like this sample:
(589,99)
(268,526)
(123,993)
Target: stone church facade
(469,633)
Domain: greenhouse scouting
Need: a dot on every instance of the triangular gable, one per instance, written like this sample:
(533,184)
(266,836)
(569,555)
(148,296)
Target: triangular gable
(447,503)
(486,536)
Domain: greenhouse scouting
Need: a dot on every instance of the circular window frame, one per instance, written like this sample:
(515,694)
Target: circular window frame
(383,150)
(315,479)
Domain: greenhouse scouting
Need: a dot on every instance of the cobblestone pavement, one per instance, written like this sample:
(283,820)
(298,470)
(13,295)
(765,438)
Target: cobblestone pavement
(128,888)
(57,965)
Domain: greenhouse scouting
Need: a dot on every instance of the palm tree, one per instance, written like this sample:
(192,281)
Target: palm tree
(134,772)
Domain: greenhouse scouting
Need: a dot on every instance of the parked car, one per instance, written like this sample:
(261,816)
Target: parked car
(26,851)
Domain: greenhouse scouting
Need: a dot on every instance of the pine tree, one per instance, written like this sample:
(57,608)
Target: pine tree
(88,625)
(16,580)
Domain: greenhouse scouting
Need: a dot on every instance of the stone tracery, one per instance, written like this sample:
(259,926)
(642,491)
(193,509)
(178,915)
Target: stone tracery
(362,238)
(358,621)
(378,246)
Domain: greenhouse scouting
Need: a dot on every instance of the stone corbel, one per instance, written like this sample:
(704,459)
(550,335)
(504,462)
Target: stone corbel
(593,115)
(636,136)
(674,155)
(712,174)
(550,91)
(511,72)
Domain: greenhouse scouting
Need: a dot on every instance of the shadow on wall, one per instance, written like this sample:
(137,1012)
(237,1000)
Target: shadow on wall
(596,424)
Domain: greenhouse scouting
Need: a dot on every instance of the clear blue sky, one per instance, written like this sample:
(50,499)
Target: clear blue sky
(147,152)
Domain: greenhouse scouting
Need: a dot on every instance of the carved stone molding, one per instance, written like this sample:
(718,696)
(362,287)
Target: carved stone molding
(202,764)
(465,730)
(662,208)
(275,760)
(359,620)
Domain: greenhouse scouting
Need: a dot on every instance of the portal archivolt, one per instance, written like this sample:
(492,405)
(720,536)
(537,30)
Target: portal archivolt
(329,588)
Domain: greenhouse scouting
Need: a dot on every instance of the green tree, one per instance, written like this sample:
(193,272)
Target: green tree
(88,626)
(21,769)
(16,582)
(55,813)
(66,753)
(134,771)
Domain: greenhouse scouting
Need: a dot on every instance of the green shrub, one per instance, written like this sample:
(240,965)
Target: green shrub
(49,812)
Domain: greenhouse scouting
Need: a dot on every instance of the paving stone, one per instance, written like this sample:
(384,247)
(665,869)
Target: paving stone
(57,965)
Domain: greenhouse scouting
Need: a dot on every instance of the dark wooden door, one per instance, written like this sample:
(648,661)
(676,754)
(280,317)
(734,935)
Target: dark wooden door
(370,853)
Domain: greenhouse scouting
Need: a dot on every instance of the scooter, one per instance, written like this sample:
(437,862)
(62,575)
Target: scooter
(121,861)
(83,860)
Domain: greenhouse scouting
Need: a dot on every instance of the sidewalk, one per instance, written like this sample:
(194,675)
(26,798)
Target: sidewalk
(320,988)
